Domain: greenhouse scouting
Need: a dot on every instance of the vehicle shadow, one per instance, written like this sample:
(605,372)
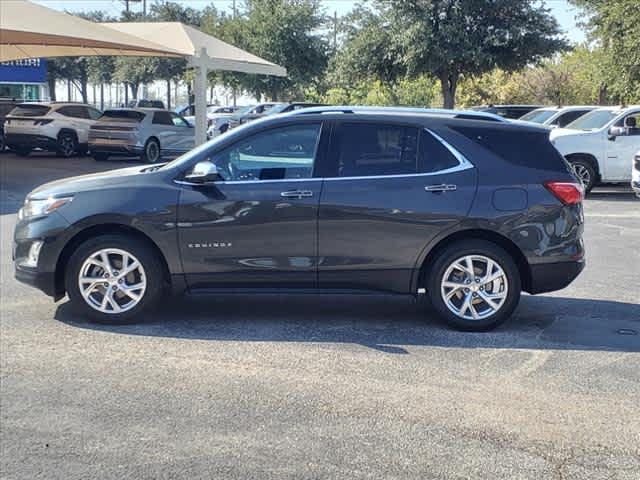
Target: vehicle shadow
(389,324)
(612,194)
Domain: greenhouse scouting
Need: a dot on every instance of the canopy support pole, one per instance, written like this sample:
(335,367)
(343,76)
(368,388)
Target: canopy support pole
(200,93)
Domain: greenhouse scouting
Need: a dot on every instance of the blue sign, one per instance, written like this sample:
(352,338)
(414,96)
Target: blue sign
(30,70)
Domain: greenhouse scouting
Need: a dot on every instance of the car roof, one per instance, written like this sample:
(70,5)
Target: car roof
(137,109)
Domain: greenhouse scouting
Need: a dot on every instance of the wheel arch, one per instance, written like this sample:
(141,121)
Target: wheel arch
(64,130)
(94,231)
(480,234)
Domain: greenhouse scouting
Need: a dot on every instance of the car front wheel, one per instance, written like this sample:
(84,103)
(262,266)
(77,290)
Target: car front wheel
(114,278)
(474,285)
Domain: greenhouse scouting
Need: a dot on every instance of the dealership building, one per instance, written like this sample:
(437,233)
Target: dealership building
(24,80)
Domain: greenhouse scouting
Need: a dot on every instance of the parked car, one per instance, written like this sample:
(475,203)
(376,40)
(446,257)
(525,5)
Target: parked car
(188,112)
(6,105)
(556,116)
(601,144)
(145,103)
(323,202)
(635,174)
(61,127)
(290,107)
(251,112)
(507,111)
(145,132)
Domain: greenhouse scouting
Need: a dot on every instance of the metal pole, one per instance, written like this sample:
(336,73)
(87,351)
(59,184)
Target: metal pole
(200,104)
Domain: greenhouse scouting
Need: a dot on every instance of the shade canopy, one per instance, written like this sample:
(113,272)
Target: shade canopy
(28,30)
(191,42)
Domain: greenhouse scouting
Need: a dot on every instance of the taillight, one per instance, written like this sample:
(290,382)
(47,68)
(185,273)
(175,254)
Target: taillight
(568,193)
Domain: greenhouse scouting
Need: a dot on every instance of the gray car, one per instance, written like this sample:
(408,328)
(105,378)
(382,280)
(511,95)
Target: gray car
(145,132)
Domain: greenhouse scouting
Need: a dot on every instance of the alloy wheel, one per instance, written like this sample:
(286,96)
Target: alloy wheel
(474,287)
(153,152)
(583,174)
(112,281)
(67,146)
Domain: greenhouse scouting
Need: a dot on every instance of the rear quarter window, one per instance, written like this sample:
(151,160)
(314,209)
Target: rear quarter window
(521,147)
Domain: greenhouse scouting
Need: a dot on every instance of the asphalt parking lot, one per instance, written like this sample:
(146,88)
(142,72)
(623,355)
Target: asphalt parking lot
(325,387)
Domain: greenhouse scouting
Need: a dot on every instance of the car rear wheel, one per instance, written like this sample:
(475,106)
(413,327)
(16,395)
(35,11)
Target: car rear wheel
(585,173)
(151,152)
(474,285)
(67,145)
(114,278)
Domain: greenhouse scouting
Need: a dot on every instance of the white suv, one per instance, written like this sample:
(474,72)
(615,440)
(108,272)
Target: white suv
(57,127)
(557,116)
(601,144)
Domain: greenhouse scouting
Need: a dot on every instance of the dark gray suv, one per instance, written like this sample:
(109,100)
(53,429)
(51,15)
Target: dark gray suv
(469,211)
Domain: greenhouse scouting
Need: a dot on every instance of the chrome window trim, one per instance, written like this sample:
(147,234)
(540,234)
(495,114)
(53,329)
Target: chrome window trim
(463,164)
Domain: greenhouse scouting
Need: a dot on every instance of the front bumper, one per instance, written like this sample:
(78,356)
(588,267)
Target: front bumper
(549,277)
(52,231)
(13,140)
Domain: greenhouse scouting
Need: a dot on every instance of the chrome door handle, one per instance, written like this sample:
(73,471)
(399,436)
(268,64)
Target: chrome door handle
(441,188)
(297,194)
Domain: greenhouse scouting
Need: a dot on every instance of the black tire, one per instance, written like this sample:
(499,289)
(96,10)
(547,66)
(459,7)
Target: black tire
(100,156)
(22,151)
(67,145)
(585,172)
(151,152)
(456,251)
(154,275)
(2,144)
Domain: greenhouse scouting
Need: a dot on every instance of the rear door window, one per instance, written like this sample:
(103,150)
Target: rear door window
(162,118)
(567,118)
(373,149)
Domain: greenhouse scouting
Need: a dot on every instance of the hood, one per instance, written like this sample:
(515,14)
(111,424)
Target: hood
(565,132)
(94,181)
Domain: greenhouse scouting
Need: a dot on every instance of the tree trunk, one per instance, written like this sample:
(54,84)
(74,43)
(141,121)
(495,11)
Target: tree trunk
(168,94)
(52,88)
(69,90)
(602,94)
(84,91)
(126,93)
(101,96)
(134,90)
(448,84)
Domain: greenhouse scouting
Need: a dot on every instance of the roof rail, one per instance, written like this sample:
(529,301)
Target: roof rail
(464,114)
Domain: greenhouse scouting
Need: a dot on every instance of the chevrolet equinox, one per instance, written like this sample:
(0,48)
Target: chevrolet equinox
(467,210)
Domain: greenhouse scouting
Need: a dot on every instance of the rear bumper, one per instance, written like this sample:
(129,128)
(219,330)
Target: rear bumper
(30,140)
(115,148)
(549,277)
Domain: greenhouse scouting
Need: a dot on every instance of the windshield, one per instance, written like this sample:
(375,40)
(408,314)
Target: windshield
(593,120)
(239,113)
(277,108)
(538,116)
(201,152)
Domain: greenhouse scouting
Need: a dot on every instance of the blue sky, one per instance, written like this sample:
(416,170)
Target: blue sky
(561,9)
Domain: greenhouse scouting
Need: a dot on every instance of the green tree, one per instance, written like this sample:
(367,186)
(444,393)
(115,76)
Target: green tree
(449,39)
(616,26)
(283,32)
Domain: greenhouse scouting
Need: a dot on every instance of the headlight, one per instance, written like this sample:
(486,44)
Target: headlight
(37,208)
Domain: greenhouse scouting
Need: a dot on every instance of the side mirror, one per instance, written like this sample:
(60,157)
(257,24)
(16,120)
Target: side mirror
(204,172)
(616,132)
